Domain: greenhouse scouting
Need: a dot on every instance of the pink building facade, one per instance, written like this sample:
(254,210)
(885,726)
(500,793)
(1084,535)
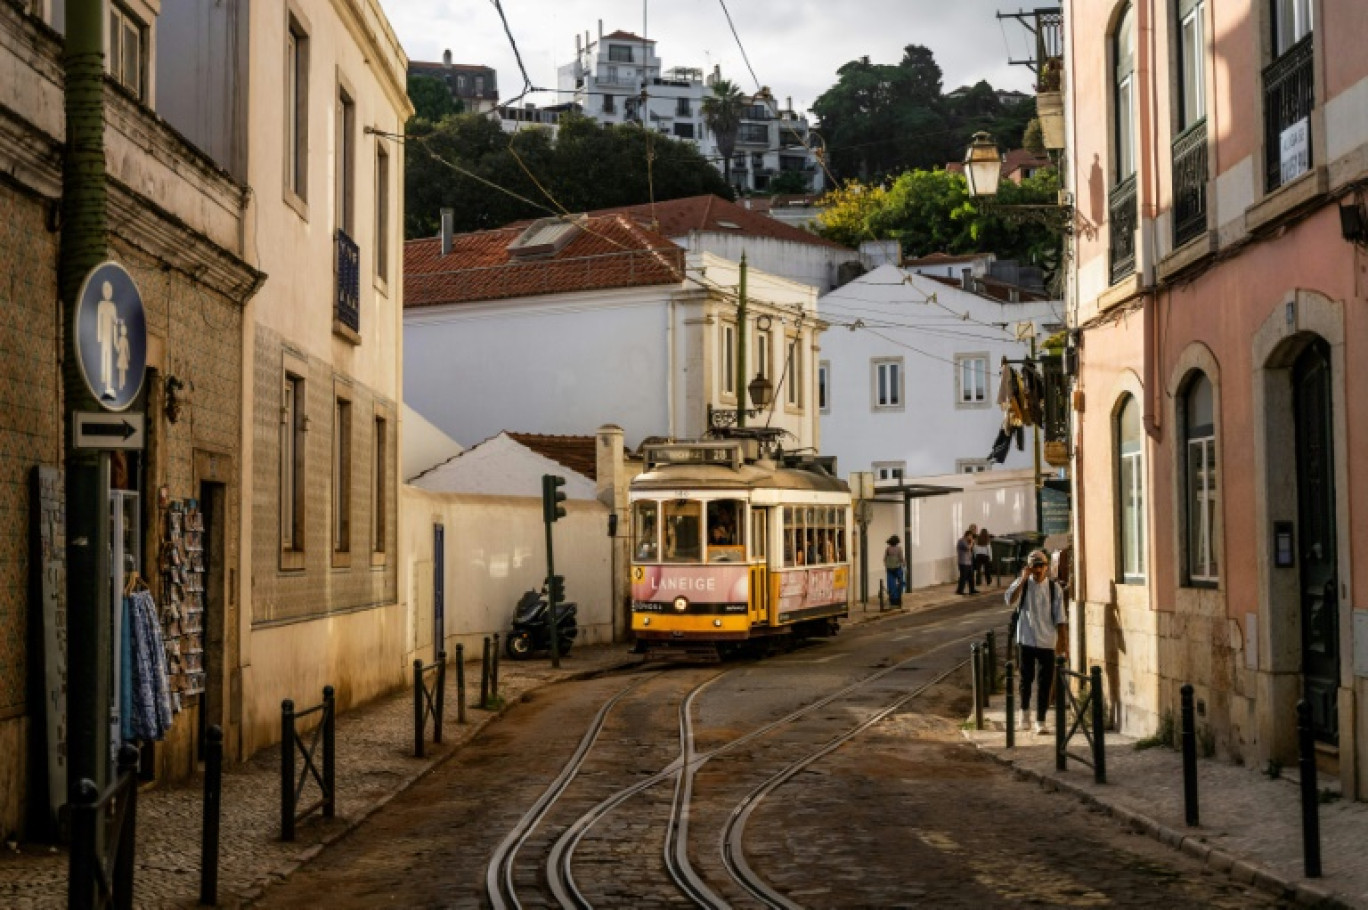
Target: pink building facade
(1218,160)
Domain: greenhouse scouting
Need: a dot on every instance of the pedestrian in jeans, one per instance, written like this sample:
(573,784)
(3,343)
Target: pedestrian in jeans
(983,557)
(894,564)
(964,558)
(1041,632)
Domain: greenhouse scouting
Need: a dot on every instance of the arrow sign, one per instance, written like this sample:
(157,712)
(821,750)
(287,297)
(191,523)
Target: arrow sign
(99,430)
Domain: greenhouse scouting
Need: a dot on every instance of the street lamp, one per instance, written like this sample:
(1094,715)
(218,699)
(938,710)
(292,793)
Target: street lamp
(761,391)
(983,165)
(983,173)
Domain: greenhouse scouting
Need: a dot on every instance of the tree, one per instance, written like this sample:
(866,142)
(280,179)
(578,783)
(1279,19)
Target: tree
(431,98)
(790,183)
(722,115)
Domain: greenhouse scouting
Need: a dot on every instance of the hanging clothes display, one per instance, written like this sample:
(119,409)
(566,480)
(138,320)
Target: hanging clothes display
(1001,446)
(147,699)
(1033,395)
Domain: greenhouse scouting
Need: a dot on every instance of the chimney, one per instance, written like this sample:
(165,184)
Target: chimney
(577,44)
(446,57)
(448,217)
(600,31)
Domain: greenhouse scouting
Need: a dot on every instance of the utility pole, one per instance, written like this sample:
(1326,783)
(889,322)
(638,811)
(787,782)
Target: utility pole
(741,347)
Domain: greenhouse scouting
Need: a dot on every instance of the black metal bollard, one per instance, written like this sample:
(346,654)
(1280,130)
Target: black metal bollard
(81,865)
(1011,705)
(1098,720)
(881,595)
(1061,759)
(992,661)
(209,829)
(976,666)
(494,669)
(287,769)
(329,752)
(128,843)
(460,685)
(441,696)
(986,671)
(418,715)
(484,676)
(1310,792)
(1189,746)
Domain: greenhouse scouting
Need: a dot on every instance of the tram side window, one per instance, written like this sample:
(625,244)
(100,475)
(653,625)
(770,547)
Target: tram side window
(725,541)
(645,524)
(795,551)
(683,531)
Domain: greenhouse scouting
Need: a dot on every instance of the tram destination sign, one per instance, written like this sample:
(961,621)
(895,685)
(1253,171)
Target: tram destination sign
(103,430)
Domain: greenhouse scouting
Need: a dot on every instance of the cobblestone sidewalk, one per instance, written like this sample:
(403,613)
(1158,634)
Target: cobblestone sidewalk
(1250,823)
(374,763)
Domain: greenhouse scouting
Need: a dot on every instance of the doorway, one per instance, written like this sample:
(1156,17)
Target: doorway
(1318,577)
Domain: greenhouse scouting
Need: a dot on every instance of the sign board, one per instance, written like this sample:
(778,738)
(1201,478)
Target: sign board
(1295,145)
(48,513)
(98,430)
(111,336)
(1054,511)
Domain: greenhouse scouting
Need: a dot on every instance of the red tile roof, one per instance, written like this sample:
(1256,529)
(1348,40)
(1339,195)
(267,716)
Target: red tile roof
(578,453)
(620,35)
(611,252)
(443,67)
(676,217)
(1017,159)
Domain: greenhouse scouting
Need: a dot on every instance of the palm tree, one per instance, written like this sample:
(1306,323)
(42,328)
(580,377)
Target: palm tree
(722,114)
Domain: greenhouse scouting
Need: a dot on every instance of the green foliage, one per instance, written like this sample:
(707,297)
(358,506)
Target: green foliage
(431,98)
(468,163)
(722,115)
(1166,735)
(790,183)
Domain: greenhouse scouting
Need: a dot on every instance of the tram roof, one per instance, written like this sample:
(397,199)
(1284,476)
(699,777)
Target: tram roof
(742,477)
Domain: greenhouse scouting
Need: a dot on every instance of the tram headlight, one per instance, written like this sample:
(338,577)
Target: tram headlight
(717,623)
(681,604)
(646,620)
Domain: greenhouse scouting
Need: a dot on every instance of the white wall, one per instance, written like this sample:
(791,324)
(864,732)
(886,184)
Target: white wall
(804,263)
(503,467)
(932,430)
(496,550)
(425,445)
(1001,501)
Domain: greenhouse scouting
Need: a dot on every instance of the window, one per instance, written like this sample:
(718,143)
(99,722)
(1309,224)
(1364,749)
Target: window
(379,496)
(1292,21)
(762,355)
(972,465)
(824,387)
(479,86)
(645,523)
(683,531)
(753,134)
(612,74)
(1200,468)
(382,213)
(297,109)
(971,380)
(889,470)
(126,60)
(684,130)
(727,358)
(620,53)
(1131,491)
(608,103)
(292,460)
(814,535)
(1191,65)
(888,384)
(793,395)
(342,474)
(346,161)
(683,108)
(726,527)
(1123,94)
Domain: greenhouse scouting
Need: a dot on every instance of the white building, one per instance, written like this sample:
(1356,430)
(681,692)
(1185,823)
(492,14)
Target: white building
(909,371)
(570,324)
(618,78)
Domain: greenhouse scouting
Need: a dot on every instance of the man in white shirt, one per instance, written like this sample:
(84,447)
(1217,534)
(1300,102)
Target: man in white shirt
(1041,632)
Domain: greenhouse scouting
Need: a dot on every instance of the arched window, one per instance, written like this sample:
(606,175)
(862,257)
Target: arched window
(1123,93)
(1130,491)
(1199,434)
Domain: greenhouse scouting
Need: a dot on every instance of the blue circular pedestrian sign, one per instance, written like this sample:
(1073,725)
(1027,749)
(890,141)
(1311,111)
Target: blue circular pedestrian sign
(111,336)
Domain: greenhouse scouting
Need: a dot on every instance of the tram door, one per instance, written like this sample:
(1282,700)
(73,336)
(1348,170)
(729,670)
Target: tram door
(759,567)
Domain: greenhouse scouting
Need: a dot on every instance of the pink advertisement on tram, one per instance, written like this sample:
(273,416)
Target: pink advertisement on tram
(802,589)
(700,584)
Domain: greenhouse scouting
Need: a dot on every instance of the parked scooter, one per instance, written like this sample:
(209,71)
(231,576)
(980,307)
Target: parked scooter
(532,626)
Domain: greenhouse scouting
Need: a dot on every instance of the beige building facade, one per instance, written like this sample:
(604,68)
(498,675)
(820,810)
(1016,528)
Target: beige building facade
(1217,156)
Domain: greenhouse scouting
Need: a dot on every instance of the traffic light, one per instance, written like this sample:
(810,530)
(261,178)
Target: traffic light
(552,498)
(555,589)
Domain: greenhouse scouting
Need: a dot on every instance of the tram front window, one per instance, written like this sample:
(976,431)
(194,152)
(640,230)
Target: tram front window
(683,531)
(645,525)
(725,543)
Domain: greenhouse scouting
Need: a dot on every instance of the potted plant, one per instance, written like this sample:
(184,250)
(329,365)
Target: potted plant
(1050,103)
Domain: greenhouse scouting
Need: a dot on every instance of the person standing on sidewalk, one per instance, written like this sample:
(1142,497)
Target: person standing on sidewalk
(964,558)
(894,566)
(1041,632)
(983,557)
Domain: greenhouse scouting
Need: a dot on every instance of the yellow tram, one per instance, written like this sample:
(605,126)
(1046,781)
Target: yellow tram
(729,547)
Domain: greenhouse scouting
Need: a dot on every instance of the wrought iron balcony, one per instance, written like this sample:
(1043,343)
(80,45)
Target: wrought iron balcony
(1289,85)
(1189,184)
(1121,223)
(347,308)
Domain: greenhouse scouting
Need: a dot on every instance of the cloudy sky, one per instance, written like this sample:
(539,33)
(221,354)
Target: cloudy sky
(794,46)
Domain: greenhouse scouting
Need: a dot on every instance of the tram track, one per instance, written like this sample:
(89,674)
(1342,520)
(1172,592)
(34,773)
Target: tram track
(683,769)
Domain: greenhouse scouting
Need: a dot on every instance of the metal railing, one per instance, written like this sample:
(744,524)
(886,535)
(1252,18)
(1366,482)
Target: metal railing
(323,773)
(1122,221)
(427,701)
(103,876)
(347,307)
(1088,717)
(1289,87)
(1189,184)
